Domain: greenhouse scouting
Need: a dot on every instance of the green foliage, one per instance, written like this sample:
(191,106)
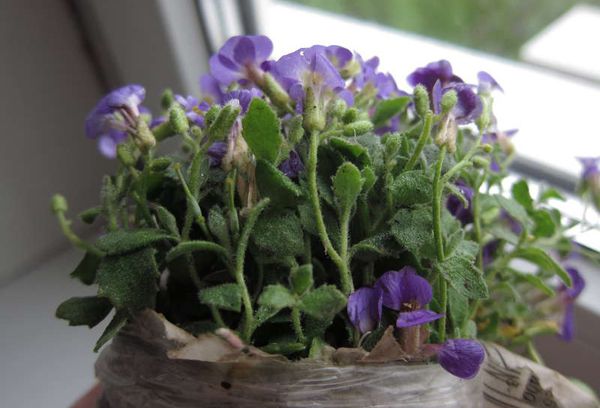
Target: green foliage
(84,311)
(347,185)
(274,184)
(412,228)
(412,187)
(121,242)
(273,299)
(460,272)
(301,279)
(261,130)
(227,296)
(388,108)
(117,323)
(541,258)
(323,303)
(279,234)
(86,269)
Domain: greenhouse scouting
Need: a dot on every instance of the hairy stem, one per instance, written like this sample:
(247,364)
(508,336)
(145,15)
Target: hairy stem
(421,142)
(439,239)
(298,325)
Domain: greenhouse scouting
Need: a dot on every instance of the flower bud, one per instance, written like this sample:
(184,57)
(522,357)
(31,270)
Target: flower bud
(314,117)
(449,100)
(351,115)
(358,128)
(421,98)
(211,115)
(160,164)
(338,108)
(59,204)
(124,155)
(484,120)
(178,119)
(446,134)
(275,92)
(481,162)
(143,137)
(167,99)
(487,148)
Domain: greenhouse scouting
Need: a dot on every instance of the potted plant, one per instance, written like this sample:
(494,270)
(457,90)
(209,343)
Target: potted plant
(319,230)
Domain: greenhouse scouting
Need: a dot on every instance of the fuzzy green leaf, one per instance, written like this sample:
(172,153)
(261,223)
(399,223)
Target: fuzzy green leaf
(89,216)
(412,187)
(86,269)
(514,209)
(284,348)
(301,278)
(351,150)
(520,192)
(535,281)
(227,296)
(460,272)
(347,184)
(167,220)
(277,186)
(218,226)
(279,234)
(413,229)
(541,258)
(193,246)
(272,300)
(129,281)
(116,324)
(551,193)
(84,311)
(388,108)
(458,308)
(544,224)
(121,241)
(323,303)
(260,128)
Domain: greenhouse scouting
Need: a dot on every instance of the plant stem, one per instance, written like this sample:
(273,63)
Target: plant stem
(421,142)
(313,192)
(465,161)
(298,324)
(65,226)
(477,222)
(533,353)
(194,211)
(438,187)
(248,322)
(346,278)
(217,316)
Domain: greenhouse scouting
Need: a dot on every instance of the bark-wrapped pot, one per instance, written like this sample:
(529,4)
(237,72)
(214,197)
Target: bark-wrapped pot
(152,363)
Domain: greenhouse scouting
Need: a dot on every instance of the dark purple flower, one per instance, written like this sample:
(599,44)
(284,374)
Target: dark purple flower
(456,206)
(192,108)
(292,166)
(240,58)
(461,357)
(364,308)
(404,288)
(433,72)
(244,96)
(487,83)
(216,152)
(489,251)
(468,105)
(591,169)
(113,116)
(567,296)
(416,318)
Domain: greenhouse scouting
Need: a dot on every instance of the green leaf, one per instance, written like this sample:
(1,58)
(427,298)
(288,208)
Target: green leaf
(535,281)
(504,233)
(227,296)
(129,281)
(540,258)
(551,193)
(350,149)
(413,229)
(514,209)
(388,108)
(116,324)
(89,216)
(277,186)
(218,226)
(260,128)
(458,307)
(412,187)
(544,224)
(284,348)
(370,178)
(193,246)
(272,299)
(84,311)
(460,271)
(301,278)
(279,234)
(122,242)
(520,192)
(347,184)
(87,269)
(323,303)
(372,248)
(167,220)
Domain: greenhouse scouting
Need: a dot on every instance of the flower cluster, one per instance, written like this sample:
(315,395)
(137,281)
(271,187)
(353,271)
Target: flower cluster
(315,204)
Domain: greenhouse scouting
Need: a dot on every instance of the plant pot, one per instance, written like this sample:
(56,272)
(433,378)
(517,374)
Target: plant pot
(152,363)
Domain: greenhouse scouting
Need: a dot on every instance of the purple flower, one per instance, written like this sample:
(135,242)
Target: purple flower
(487,83)
(364,308)
(433,72)
(338,56)
(456,206)
(244,97)
(489,251)
(240,59)
(591,169)
(292,166)
(383,83)
(192,108)
(113,116)
(511,223)
(567,296)
(210,87)
(468,104)
(461,357)
(216,152)
(417,318)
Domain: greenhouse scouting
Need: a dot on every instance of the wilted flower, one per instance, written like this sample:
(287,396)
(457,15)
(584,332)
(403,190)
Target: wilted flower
(240,59)
(567,296)
(113,117)
(461,357)
(456,206)
(292,166)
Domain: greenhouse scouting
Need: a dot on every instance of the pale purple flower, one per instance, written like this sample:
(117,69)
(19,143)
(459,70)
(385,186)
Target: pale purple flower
(192,108)
(461,357)
(243,96)
(240,59)
(338,56)
(567,296)
(364,308)
(292,166)
(591,168)
(210,87)
(487,83)
(456,206)
(384,83)
(113,117)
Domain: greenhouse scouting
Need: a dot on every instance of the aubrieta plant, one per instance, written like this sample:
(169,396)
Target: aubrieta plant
(316,204)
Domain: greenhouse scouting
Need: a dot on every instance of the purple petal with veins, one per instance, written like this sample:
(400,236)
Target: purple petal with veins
(364,308)
(461,357)
(416,318)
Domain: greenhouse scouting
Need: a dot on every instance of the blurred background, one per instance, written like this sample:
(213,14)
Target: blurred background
(59,57)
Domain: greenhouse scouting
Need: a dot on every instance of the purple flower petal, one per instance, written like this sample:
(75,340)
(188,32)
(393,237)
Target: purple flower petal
(591,167)
(456,207)
(487,83)
(244,96)
(209,86)
(216,152)
(567,328)
(292,166)
(107,146)
(488,251)
(431,73)
(404,287)
(231,62)
(468,106)
(364,308)
(461,357)
(416,318)
(436,97)
(578,284)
